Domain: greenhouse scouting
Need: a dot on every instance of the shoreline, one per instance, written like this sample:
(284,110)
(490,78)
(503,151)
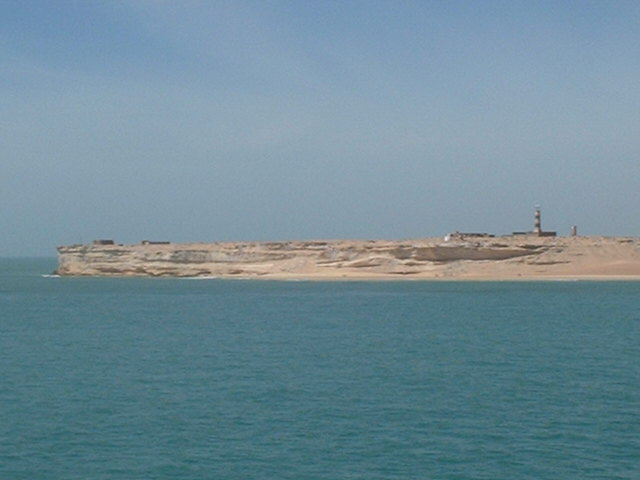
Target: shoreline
(396,279)
(374,279)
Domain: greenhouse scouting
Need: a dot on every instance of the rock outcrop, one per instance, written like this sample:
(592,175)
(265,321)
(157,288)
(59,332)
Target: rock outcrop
(502,257)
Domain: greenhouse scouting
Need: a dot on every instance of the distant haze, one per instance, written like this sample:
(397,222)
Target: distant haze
(253,120)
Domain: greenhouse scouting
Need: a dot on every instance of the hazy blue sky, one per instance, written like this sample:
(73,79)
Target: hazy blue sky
(266,120)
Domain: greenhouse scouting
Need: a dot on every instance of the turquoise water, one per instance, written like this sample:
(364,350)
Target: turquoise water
(210,379)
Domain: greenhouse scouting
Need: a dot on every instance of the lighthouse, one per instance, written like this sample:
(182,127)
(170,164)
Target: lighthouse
(537,223)
(537,226)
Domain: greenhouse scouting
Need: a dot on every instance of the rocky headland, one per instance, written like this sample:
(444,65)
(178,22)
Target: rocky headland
(508,257)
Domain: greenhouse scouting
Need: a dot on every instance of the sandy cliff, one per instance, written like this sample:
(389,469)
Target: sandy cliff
(476,258)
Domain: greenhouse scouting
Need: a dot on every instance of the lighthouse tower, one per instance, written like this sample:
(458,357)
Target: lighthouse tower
(537,223)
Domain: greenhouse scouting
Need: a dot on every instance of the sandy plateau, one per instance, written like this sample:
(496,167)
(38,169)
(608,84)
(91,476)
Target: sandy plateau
(495,258)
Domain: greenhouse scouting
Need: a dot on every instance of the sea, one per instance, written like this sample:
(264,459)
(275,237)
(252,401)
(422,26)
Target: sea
(156,378)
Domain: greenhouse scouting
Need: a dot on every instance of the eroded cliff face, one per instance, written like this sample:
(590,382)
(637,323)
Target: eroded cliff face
(427,258)
(502,257)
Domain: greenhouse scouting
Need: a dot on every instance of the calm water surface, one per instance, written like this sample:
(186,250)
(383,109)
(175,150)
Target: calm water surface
(211,379)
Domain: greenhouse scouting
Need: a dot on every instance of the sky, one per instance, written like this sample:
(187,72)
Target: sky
(286,120)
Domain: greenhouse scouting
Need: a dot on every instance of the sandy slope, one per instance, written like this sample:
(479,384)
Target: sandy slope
(509,257)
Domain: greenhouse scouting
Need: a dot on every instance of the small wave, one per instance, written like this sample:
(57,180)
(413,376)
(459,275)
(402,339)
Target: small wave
(202,277)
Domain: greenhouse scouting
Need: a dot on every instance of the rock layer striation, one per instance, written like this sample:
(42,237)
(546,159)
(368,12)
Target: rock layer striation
(492,258)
